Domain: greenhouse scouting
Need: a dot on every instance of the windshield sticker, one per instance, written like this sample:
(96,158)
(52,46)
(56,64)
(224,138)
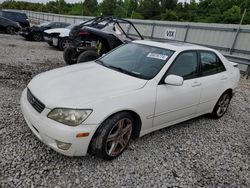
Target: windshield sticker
(157,56)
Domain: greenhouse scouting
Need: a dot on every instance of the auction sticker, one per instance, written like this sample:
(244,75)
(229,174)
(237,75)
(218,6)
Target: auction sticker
(157,56)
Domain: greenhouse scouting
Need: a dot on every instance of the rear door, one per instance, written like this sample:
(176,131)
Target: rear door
(213,79)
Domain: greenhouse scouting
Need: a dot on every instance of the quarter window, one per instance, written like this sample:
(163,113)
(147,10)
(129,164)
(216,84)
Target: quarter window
(210,64)
(185,65)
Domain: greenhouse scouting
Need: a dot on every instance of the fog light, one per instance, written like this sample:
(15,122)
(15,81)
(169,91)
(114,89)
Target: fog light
(63,145)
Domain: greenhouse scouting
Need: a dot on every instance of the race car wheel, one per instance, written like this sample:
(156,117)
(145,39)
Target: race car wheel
(37,37)
(70,55)
(88,55)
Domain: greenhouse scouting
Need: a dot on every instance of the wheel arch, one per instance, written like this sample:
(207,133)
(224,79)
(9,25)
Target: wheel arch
(136,129)
(230,91)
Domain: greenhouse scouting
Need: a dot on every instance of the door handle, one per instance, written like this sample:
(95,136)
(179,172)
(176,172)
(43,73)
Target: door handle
(195,84)
(224,77)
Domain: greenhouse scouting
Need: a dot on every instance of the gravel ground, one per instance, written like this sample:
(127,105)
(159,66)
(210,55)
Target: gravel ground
(197,153)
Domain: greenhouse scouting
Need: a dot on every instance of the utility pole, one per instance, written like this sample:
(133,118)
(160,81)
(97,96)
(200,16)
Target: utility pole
(243,15)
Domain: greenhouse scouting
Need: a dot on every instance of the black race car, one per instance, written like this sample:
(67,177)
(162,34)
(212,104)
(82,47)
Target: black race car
(36,32)
(8,26)
(99,37)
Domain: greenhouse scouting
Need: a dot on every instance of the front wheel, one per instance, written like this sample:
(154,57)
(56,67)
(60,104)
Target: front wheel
(10,30)
(64,43)
(37,37)
(70,55)
(221,105)
(112,138)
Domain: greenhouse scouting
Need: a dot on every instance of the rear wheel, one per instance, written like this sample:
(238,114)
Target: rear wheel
(37,37)
(70,55)
(64,43)
(88,55)
(10,30)
(221,105)
(112,138)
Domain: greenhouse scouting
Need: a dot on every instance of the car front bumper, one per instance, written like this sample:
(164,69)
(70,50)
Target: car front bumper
(49,131)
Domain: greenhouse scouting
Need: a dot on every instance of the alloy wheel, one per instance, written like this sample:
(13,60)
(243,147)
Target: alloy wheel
(65,43)
(223,104)
(119,137)
(10,30)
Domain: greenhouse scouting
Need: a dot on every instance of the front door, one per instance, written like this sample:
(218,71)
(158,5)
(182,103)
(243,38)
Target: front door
(177,103)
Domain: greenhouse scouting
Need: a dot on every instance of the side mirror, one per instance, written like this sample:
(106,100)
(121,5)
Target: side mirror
(174,80)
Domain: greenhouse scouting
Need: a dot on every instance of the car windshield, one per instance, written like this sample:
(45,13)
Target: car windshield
(44,24)
(73,25)
(138,60)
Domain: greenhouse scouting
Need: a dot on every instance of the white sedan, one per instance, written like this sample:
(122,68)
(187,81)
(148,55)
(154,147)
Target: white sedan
(142,86)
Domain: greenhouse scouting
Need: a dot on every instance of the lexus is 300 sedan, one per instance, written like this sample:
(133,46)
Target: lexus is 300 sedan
(142,86)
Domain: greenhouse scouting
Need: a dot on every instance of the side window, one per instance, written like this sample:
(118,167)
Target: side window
(185,65)
(210,64)
(10,15)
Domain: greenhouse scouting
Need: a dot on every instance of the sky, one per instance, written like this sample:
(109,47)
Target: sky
(69,1)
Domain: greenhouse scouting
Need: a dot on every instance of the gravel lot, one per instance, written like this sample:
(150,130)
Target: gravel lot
(200,152)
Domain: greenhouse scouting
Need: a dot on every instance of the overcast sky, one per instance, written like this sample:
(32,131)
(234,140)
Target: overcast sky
(70,1)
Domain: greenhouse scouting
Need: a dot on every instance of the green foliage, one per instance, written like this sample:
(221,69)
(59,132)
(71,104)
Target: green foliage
(136,15)
(169,15)
(211,11)
(232,15)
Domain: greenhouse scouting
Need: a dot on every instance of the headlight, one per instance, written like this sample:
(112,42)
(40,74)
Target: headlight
(71,117)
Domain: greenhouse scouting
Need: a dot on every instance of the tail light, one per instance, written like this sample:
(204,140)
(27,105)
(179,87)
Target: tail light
(83,33)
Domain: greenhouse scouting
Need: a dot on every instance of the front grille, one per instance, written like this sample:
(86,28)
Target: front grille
(37,105)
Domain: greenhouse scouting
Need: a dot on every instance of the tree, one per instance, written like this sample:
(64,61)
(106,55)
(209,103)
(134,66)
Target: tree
(90,7)
(232,15)
(149,8)
(169,15)
(107,7)
(168,4)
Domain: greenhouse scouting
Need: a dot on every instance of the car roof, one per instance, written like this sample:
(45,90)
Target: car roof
(173,45)
(12,11)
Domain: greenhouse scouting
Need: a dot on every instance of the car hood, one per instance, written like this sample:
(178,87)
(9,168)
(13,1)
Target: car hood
(81,85)
(57,30)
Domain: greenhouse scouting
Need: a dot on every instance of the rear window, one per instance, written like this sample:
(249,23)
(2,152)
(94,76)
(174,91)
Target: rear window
(15,15)
(22,16)
(10,15)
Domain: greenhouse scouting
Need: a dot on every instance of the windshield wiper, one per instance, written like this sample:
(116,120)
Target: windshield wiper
(125,71)
(135,74)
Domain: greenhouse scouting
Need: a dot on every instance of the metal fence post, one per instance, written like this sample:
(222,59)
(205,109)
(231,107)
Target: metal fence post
(248,71)
(153,29)
(128,29)
(237,33)
(185,38)
(234,40)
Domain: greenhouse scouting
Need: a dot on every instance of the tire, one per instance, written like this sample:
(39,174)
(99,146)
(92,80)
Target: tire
(222,105)
(70,55)
(64,43)
(50,43)
(10,30)
(37,37)
(113,136)
(88,55)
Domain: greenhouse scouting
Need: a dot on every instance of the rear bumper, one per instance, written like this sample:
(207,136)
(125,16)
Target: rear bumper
(49,131)
(24,33)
